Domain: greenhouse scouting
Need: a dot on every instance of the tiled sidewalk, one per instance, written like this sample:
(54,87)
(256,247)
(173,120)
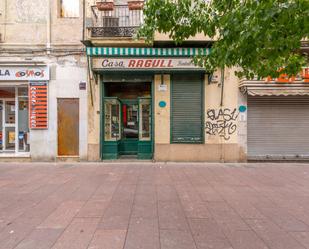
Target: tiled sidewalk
(152,206)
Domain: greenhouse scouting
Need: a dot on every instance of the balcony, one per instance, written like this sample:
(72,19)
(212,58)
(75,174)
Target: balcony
(121,22)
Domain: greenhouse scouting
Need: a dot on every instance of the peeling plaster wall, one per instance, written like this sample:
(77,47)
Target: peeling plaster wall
(24,27)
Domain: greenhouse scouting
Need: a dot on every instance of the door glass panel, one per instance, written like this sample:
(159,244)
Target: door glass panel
(145,119)
(10,138)
(23,91)
(10,112)
(23,124)
(112,119)
(130,121)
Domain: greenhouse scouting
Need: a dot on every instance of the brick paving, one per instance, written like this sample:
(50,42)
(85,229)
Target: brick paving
(154,206)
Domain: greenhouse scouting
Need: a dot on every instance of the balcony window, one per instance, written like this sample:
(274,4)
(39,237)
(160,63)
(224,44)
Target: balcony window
(69,8)
(119,22)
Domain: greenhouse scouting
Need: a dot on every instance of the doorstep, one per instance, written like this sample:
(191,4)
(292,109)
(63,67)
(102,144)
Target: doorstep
(67,159)
(15,157)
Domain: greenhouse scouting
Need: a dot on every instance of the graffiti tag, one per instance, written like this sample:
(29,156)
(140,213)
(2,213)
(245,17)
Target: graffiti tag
(221,122)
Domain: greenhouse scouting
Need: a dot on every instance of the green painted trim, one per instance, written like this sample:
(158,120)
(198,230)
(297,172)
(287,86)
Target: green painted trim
(171,105)
(111,156)
(102,86)
(153,115)
(150,71)
(146,143)
(157,52)
(203,107)
(145,156)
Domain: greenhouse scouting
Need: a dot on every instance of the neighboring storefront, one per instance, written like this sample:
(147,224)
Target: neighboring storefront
(23,106)
(278,118)
(43,110)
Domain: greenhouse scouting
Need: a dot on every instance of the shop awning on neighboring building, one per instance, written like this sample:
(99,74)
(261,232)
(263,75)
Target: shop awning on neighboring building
(276,90)
(133,52)
(298,87)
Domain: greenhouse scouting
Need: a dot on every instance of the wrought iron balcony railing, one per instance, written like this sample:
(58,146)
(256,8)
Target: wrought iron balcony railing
(119,22)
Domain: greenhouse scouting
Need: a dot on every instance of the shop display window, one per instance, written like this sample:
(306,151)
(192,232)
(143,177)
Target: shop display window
(145,119)
(14,119)
(112,119)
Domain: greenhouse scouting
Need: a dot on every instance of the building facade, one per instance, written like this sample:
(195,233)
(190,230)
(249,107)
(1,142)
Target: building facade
(43,71)
(76,84)
(152,102)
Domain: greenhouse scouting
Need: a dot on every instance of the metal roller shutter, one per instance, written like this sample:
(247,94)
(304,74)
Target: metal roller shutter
(187,108)
(278,127)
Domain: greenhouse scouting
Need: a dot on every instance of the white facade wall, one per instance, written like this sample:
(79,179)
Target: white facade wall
(64,83)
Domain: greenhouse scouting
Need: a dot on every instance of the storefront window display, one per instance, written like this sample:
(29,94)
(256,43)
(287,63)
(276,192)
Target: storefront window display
(112,119)
(14,119)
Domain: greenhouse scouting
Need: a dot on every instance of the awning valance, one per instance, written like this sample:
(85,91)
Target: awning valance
(151,52)
(258,88)
(278,92)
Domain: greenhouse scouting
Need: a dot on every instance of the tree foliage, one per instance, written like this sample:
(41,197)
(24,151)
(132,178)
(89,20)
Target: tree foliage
(260,37)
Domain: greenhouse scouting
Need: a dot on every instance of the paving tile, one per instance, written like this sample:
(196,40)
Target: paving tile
(108,239)
(206,230)
(124,193)
(16,231)
(245,209)
(226,217)
(283,219)
(208,194)
(144,210)
(171,216)
(93,208)
(275,237)
(302,238)
(175,239)
(116,216)
(245,240)
(195,209)
(63,215)
(40,239)
(78,234)
(167,193)
(143,233)
(209,206)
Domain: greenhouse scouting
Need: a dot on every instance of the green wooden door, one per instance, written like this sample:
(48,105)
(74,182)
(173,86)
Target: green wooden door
(145,128)
(130,116)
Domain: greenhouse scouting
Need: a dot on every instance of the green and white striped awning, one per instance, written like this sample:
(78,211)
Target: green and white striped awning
(170,52)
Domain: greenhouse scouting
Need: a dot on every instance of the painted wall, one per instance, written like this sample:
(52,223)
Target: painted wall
(225,133)
(162,115)
(94,119)
(25,21)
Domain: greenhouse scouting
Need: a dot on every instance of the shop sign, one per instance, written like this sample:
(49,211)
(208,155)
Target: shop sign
(24,73)
(38,99)
(143,63)
(303,76)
